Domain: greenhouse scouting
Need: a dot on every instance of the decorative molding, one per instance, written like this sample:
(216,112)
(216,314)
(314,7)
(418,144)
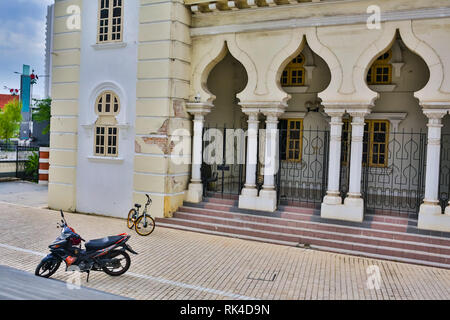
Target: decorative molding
(383,87)
(108,46)
(106,159)
(293,115)
(298,89)
(427,13)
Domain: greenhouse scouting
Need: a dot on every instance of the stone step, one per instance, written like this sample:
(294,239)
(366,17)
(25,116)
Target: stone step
(315,241)
(311,230)
(305,214)
(379,229)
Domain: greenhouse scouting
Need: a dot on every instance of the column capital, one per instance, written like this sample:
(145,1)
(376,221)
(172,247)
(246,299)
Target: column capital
(199,108)
(435,114)
(358,114)
(334,113)
(251,112)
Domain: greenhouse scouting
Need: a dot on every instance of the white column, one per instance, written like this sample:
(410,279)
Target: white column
(430,212)
(334,161)
(252,150)
(268,194)
(353,207)
(433,157)
(271,158)
(249,194)
(195,190)
(197,148)
(354,191)
(354,203)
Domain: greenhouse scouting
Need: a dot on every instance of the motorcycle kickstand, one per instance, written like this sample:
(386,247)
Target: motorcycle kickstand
(88,273)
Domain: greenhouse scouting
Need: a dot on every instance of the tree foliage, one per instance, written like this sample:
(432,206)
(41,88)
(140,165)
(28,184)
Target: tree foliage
(43,113)
(10,119)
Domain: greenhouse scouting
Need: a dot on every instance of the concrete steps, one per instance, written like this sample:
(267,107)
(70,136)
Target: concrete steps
(379,236)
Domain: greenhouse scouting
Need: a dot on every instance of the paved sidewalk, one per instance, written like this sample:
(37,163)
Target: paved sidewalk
(174,264)
(24,193)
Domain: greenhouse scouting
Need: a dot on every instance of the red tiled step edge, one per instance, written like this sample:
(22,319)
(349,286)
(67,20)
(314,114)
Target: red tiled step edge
(305,229)
(276,237)
(382,230)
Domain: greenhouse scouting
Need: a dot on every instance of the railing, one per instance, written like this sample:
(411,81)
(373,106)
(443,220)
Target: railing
(13,160)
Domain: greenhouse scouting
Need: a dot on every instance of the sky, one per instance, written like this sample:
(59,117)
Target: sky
(22,41)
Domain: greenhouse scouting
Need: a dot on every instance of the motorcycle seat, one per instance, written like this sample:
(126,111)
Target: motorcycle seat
(97,244)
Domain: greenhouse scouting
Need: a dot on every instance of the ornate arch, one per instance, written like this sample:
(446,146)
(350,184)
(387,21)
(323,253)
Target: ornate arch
(331,60)
(414,44)
(216,51)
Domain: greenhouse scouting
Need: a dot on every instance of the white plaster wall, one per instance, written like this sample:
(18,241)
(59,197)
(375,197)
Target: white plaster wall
(106,187)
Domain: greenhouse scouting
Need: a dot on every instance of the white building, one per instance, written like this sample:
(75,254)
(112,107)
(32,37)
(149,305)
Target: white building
(360,109)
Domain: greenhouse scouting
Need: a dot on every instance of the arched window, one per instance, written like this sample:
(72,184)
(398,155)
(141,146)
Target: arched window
(294,73)
(107,108)
(110,21)
(108,104)
(381,70)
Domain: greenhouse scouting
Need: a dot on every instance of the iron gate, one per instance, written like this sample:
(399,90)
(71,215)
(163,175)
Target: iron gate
(14,159)
(223,167)
(397,186)
(444,172)
(303,181)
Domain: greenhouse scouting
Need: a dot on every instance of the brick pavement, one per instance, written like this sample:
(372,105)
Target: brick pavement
(174,264)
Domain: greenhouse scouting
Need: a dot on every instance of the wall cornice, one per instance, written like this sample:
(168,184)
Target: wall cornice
(429,13)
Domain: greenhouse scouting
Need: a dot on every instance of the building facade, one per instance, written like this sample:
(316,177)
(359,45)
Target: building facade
(334,104)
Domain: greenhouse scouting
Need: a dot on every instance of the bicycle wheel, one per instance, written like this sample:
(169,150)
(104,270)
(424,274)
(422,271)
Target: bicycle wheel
(131,218)
(145,226)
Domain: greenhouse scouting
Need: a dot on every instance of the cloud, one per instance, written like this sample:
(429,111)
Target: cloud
(22,40)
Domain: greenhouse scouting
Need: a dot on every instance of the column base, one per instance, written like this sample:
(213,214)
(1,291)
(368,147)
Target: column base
(351,210)
(431,218)
(248,199)
(194,194)
(266,201)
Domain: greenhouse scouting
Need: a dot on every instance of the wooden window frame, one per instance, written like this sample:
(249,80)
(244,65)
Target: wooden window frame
(109,21)
(102,99)
(294,66)
(370,149)
(288,140)
(106,145)
(368,129)
(382,62)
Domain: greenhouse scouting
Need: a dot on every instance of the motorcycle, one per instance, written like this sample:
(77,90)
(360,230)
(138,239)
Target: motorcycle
(106,254)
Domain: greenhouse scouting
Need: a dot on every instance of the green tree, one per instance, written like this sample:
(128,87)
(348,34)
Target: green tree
(43,112)
(10,119)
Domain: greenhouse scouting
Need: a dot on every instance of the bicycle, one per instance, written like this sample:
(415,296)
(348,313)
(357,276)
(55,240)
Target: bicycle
(144,224)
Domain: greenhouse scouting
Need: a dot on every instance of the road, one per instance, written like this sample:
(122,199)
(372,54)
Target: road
(174,264)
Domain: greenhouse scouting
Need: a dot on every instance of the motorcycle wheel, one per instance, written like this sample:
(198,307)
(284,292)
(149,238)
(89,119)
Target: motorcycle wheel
(144,228)
(119,263)
(46,269)
(131,218)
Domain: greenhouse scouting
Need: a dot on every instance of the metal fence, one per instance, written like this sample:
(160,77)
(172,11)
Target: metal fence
(223,167)
(302,181)
(398,186)
(14,162)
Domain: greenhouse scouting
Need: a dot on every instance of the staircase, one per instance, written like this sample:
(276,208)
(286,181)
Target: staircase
(378,236)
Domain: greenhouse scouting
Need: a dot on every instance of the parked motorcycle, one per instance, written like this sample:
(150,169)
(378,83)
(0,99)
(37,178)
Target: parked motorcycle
(106,254)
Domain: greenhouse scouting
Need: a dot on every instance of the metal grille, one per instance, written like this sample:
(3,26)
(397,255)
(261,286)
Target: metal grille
(304,182)
(397,187)
(444,172)
(13,161)
(223,167)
